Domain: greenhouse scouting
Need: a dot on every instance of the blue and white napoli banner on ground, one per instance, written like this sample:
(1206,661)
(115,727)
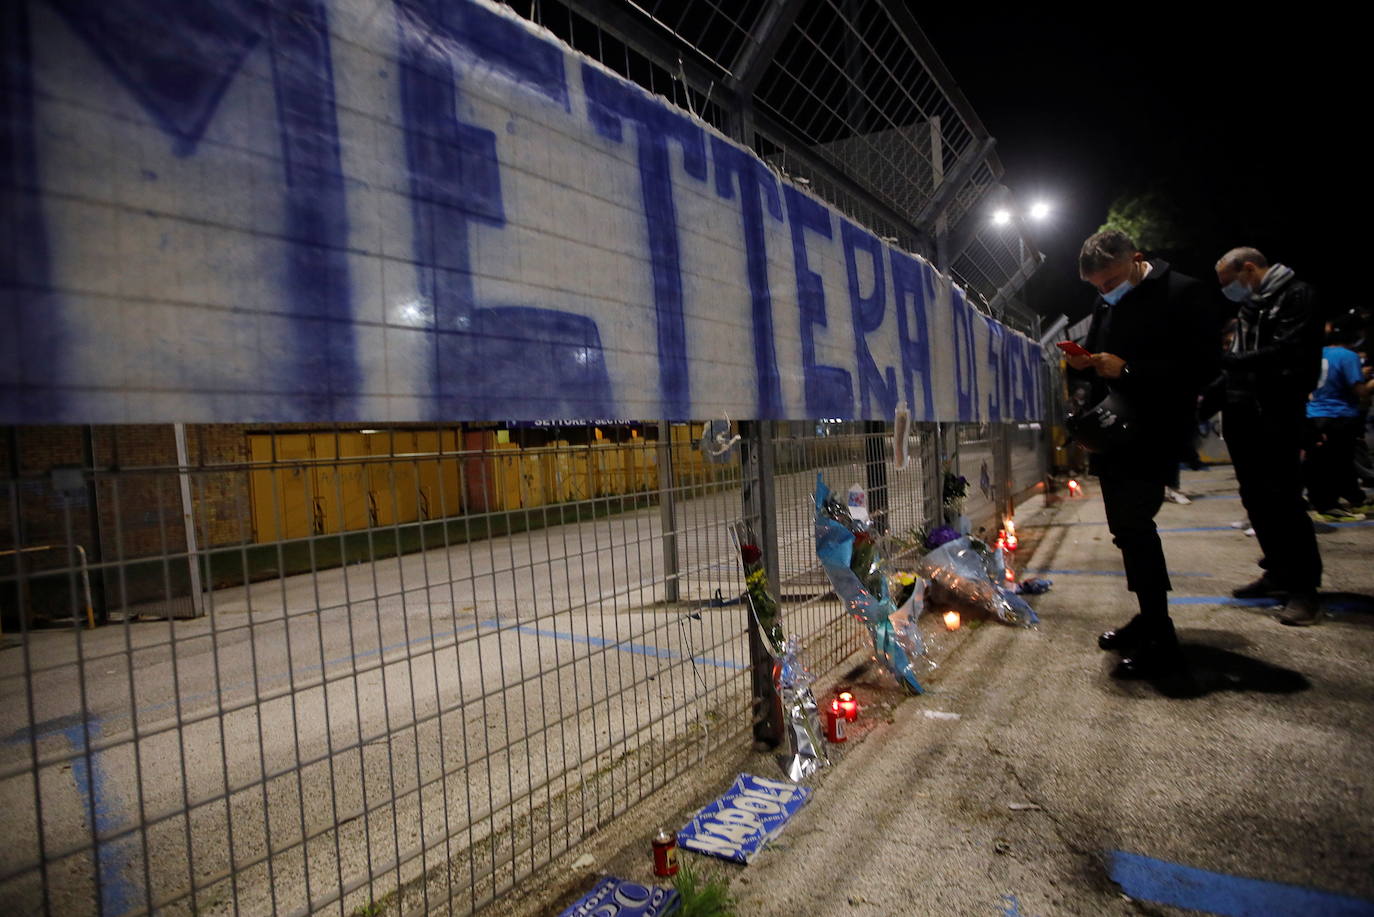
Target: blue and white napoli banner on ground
(737,825)
(614,897)
(416,210)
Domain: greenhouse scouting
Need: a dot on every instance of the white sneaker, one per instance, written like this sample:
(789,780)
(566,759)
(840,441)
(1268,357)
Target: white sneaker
(1250,532)
(1174,496)
(1241,524)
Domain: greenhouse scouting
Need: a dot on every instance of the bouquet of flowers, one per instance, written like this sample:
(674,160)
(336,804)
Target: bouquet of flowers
(756,588)
(954,492)
(850,553)
(966,576)
(805,752)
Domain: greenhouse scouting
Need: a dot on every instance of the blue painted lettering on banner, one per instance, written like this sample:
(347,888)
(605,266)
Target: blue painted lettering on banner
(32,346)
(326,369)
(829,389)
(1028,393)
(868,316)
(454,181)
(1013,368)
(562,350)
(965,361)
(495,361)
(180,87)
(456,61)
(1001,377)
(913,282)
(179,70)
(757,187)
(611,102)
(502,45)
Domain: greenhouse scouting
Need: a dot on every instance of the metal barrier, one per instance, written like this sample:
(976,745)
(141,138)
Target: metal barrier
(440,703)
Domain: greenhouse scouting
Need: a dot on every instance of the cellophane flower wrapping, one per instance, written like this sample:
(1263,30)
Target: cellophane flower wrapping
(850,552)
(805,751)
(969,578)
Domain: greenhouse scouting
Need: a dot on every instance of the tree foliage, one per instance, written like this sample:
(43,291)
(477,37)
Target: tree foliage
(1152,219)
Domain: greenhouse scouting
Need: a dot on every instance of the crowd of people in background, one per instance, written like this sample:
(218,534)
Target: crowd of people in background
(1290,377)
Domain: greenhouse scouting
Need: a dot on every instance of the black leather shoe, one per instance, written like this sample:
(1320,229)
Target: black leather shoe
(1303,610)
(1262,588)
(1122,638)
(1153,651)
(1151,659)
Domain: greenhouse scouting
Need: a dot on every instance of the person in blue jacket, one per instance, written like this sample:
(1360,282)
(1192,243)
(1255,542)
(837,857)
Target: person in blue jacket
(1333,423)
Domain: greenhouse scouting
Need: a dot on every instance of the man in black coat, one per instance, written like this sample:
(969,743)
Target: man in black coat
(1153,344)
(1270,368)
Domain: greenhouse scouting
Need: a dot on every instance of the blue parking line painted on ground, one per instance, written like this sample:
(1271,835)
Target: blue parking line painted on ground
(1218,893)
(270,679)
(117,894)
(639,649)
(1222,600)
(1202,528)
(1337,606)
(1106,573)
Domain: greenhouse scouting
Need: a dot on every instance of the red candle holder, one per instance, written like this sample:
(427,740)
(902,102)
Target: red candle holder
(834,720)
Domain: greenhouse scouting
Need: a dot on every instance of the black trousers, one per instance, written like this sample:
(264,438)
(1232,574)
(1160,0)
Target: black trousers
(1265,442)
(1132,502)
(1329,467)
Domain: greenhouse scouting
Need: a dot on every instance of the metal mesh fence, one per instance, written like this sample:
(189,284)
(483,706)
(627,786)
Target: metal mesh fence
(418,659)
(844,97)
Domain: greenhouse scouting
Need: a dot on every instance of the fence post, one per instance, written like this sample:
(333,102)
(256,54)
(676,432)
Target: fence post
(760,510)
(667,512)
(188,518)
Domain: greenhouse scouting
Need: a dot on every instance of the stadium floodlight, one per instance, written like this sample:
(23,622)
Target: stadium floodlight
(1039,210)
(1001,216)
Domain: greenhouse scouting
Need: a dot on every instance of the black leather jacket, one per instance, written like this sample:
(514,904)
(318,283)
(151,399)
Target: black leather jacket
(1277,353)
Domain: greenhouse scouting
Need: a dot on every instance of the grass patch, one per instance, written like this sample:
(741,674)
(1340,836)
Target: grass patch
(375,908)
(702,897)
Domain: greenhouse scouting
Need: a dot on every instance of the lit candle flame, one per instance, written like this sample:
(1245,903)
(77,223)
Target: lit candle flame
(952,620)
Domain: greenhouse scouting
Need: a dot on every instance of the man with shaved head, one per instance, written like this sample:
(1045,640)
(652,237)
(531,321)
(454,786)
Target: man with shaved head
(1272,365)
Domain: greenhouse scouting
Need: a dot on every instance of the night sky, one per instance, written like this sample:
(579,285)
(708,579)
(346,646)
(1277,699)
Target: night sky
(1248,126)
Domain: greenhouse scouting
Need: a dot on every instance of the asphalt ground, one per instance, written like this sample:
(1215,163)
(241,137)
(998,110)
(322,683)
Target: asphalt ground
(1029,781)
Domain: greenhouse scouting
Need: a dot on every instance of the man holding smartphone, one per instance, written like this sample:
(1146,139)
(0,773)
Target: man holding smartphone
(1150,347)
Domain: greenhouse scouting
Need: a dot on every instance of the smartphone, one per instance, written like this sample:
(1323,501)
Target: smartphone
(1072,349)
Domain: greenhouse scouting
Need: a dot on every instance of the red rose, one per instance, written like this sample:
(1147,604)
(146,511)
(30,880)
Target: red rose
(750,553)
